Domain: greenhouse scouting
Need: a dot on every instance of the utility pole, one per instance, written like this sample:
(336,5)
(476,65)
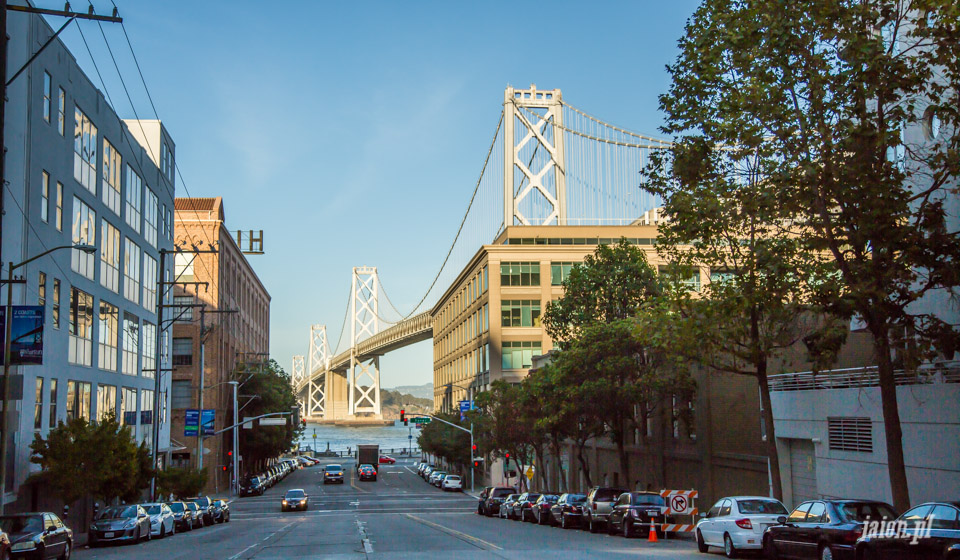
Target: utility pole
(203,334)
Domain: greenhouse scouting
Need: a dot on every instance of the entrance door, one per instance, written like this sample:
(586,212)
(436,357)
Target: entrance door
(803,470)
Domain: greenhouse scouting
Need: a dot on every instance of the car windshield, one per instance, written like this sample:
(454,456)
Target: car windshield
(576,499)
(118,512)
(647,499)
(772,507)
(501,492)
(551,498)
(333,468)
(512,498)
(21,524)
(452,477)
(532,497)
(607,494)
(153,509)
(192,506)
(295,495)
(868,511)
(176,507)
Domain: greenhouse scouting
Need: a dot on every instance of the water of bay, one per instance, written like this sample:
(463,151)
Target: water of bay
(340,438)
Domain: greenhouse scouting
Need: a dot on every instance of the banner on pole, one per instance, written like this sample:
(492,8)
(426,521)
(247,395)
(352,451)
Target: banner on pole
(208,421)
(191,422)
(26,334)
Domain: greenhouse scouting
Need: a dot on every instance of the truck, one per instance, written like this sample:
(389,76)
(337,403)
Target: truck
(368,455)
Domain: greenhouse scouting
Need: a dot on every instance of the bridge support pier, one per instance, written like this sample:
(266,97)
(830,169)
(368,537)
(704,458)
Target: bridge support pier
(365,385)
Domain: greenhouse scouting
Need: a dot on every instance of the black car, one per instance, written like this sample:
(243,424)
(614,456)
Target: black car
(541,509)
(823,528)
(295,499)
(929,531)
(221,511)
(182,516)
(206,508)
(490,499)
(634,512)
(37,535)
(251,486)
(507,506)
(568,510)
(196,514)
(521,508)
(129,523)
(367,472)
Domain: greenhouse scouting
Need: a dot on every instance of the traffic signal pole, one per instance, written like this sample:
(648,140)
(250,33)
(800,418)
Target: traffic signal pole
(470,431)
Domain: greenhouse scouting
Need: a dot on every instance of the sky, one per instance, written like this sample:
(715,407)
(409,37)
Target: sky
(353,133)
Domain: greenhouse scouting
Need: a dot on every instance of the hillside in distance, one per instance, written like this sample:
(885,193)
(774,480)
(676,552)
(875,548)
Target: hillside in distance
(424,391)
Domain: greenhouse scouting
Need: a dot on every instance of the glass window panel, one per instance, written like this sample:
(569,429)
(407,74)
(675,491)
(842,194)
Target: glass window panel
(109,257)
(106,401)
(131,270)
(108,336)
(84,233)
(133,200)
(85,152)
(111,177)
(53,403)
(38,405)
(81,328)
(131,343)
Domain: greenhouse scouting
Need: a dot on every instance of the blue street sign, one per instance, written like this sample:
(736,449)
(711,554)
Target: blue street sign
(26,333)
(207,421)
(191,422)
(464,407)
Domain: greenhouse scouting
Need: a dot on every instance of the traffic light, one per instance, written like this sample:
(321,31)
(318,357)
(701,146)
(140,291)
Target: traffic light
(474,448)
(478,463)
(303,422)
(403,415)
(223,468)
(507,457)
(229,453)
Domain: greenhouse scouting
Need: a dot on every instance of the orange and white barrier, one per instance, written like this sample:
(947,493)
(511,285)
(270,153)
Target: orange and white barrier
(680,502)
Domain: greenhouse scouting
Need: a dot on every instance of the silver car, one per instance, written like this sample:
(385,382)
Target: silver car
(162,522)
(120,524)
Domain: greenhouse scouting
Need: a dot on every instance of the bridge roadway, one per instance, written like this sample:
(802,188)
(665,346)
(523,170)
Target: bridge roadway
(397,517)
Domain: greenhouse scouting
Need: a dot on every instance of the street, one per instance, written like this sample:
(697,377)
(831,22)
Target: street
(399,516)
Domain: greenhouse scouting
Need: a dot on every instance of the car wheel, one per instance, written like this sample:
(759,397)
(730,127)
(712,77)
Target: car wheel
(728,549)
(591,526)
(67,549)
(770,549)
(149,534)
(611,530)
(135,540)
(701,546)
(563,521)
(540,518)
(163,531)
(826,553)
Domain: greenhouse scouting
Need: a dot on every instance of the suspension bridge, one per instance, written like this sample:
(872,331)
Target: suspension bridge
(549,164)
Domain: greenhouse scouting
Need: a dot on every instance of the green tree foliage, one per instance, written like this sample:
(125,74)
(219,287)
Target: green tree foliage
(182,483)
(274,393)
(836,101)
(79,458)
(445,441)
(499,427)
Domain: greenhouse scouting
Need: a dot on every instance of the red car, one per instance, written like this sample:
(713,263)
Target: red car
(386,459)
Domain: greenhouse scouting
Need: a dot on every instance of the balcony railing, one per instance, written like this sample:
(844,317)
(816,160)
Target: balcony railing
(927,374)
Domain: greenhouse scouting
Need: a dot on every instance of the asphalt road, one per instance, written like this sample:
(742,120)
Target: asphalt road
(398,517)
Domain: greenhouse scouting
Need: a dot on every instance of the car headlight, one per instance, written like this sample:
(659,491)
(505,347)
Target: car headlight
(303,501)
(25,545)
(284,502)
(130,524)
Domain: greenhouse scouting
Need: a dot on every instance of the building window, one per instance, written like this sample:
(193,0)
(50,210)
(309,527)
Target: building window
(131,343)
(112,166)
(181,394)
(47,91)
(78,400)
(560,271)
(166,161)
(128,407)
(720,275)
(42,289)
(519,355)
(131,270)
(38,406)
(520,313)
(106,401)
(85,152)
(150,211)
(848,433)
(182,351)
(690,279)
(44,196)
(84,233)
(149,345)
(109,333)
(81,327)
(692,419)
(520,274)
(53,403)
(149,282)
(146,414)
(134,197)
(62,117)
(183,314)
(59,211)
(110,257)
(183,266)
(56,303)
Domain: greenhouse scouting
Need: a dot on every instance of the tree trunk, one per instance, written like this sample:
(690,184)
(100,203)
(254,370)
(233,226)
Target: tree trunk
(584,465)
(624,459)
(561,476)
(896,466)
(521,483)
(772,454)
(541,468)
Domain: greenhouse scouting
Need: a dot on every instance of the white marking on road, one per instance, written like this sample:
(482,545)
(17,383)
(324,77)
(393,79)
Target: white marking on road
(479,543)
(367,547)
(241,553)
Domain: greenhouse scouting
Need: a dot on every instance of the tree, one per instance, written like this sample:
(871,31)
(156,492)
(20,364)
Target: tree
(499,428)
(273,393)
(830,96)
(446,441)
(182,483)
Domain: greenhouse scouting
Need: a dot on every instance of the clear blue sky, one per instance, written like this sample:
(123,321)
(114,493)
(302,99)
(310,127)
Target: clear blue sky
(353,132)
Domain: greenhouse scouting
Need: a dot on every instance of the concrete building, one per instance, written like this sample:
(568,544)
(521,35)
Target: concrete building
(236,323)
(78,173)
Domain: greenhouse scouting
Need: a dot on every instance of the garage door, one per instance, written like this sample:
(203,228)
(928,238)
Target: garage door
(803,470)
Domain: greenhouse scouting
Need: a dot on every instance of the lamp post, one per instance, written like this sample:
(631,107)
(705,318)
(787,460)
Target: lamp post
(8,316)
(236,446)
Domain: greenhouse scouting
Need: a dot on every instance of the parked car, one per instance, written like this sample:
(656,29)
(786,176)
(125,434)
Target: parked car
(541,509)
(295,499)
(387,460)
(182,516)
(37,535)
(221,511)
(333,473)
(438,481)
(942,541)
(507,506)
(737,523)
(162,522)
(196,514)
(251,486)
(599,504)
(129,523)
(638,509)
(491,498)
(434,475)
(427,471)
(521,509)
(568,510)
(367,472)
(452,483)
(823,528)
(205,504)
(422,469)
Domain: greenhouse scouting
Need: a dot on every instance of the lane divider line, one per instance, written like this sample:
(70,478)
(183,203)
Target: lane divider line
(469,539)
(260,544)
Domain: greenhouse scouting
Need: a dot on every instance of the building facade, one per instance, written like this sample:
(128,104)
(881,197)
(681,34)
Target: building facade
(234,326)
(79,174)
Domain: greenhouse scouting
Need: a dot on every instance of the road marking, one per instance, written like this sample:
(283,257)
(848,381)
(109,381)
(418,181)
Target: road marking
(367,547)
(256,544)
(470,539)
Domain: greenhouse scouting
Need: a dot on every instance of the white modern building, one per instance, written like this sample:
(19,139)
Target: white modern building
(79,174)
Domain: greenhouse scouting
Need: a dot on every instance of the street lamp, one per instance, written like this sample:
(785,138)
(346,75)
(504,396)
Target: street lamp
(8,315)
(236,446)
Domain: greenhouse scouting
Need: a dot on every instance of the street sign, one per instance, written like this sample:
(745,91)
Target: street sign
(529,472)
(208,421)
(191,422)
(248,423)
(421,420)
(26,333)
(280,421)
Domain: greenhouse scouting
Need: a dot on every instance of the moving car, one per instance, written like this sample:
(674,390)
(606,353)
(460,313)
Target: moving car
(541,509)
(128,523)
(737,523)
(221,511)
(942,541)
(491,498)
(37,535)
(162,522)
(823,529)
(205,504)
(568,509)
(387,460)
(294,499)
(637,511)
(598,506)
(333,473)
(251,485)
(367,472)
(507,506)
(196,514)
(182,516)
(452,483)
(521,508)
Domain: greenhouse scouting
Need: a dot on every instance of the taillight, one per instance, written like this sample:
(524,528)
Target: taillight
(594,506)
(853,535)
(744,524)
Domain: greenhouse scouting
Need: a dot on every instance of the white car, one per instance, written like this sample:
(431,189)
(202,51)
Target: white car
(452,482)
(737,523)
(162,522)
